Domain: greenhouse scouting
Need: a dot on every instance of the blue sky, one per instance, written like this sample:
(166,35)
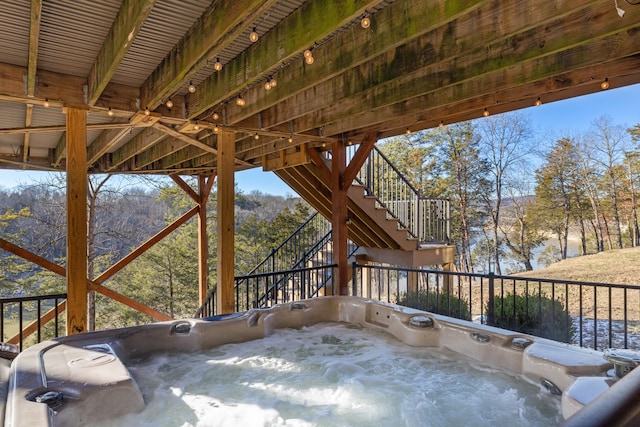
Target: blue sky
(568,117)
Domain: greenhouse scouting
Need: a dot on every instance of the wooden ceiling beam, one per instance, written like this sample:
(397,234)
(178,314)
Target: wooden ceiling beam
(62,89)
(495,90)
(142,141)
(34,39)
(123,31)
(407,34)
(473,70)
(185,138)
(308,24)
(219,25)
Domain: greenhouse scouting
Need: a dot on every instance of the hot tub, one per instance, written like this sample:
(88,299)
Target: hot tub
(86,378)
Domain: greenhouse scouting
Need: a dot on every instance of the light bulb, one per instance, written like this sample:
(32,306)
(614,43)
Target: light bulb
(256,136)
(46,103)
(307,53)
(407,131)
(267,85)
(485,112)
(110,112)
(605,84)
(309,60)
(217,65)
(146,111)
(169,103)
(239,101)
(441,123)
(196,126)
(290,139)
(253,36)
(192,88)
(273,82)
(216,128)
(538,102)
(366,22)
(215,116)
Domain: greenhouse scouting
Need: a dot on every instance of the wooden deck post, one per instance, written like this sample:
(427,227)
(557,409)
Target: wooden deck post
(76,127)
(203,244)
(225,229)
(339,215)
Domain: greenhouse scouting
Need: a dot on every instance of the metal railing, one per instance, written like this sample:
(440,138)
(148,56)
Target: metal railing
(24,321)
(267,289)
(426,219)
(587,314)
(300,245)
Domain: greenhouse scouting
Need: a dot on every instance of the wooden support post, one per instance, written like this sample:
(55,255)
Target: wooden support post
(76,124)
(225,229)
(412,281)
(339,215)
(204,187)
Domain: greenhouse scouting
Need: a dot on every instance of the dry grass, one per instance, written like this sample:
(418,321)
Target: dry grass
(621,266)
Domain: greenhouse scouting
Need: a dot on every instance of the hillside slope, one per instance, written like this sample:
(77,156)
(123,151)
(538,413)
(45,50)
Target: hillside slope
(615,266)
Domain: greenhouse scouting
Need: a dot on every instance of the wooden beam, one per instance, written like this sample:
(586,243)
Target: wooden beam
(225,298)
(204,188)
(435,57)
(155,314)
(33,327)
(339,216)
(76,120)
(185,138)
(63,88)
(196,197)
(27,136)
(324,170)
(146,245)
(34,39)
(359,158)
(308,24)
(142,141)
(31,257)
(123,31)
(60,151)
(222,23)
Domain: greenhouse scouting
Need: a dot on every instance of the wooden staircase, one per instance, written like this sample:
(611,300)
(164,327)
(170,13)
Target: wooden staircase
(380,236)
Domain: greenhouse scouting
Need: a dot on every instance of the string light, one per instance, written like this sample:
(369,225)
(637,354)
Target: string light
(240,101)
(253,35)
(169,103)
(196,126)
(308,58)
(441,123)
(215,116)
(267,85)
(110,112)
(290,139)
(407,131)
(216,128)
(217,65)
(46,103)
(146,111)
(273,82)
(485,112)
(192,88)
(538,102)
(365,22)
(605,84)
(256,136)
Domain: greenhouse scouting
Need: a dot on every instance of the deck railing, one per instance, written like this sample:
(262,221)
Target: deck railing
(587,314)
(426,219)
(25,320)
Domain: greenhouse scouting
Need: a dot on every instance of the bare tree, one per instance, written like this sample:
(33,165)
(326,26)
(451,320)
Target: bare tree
(610,142)
(505,142)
